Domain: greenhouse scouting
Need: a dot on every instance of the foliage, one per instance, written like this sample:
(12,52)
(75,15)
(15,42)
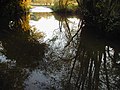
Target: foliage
(105,14)
(65,6)
(12,8)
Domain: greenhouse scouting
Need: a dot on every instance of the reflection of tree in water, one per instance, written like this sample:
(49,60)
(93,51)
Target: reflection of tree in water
(66,24)
(91,62)
(22,53)
(95,65)
(25,56)
(37,16)
(87,63)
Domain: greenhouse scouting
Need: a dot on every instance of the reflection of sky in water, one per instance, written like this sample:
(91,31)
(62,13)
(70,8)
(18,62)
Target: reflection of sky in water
(57,40)
(2,57)
(47,26)
(50,28)
(40,80)
(36,79)
(40,9)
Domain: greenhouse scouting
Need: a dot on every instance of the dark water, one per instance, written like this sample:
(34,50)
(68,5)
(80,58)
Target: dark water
(42,51)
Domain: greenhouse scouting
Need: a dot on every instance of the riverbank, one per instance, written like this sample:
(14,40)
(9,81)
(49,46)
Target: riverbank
(70,10)
(103,21)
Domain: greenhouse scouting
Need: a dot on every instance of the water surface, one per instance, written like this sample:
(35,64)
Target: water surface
(53,57)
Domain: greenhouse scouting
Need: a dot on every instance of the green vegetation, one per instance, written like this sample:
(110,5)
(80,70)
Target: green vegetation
(102,15)
(67,10)
(12,8)
(65,6)
(89,60)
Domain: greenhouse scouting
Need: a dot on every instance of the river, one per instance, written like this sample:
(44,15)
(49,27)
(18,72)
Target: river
(53,57)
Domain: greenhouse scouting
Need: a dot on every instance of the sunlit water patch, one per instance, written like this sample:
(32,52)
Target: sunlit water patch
(47,26)
(40,9)
(55,34)
(2,57)
(40,80)
(51,28)
(25,64)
